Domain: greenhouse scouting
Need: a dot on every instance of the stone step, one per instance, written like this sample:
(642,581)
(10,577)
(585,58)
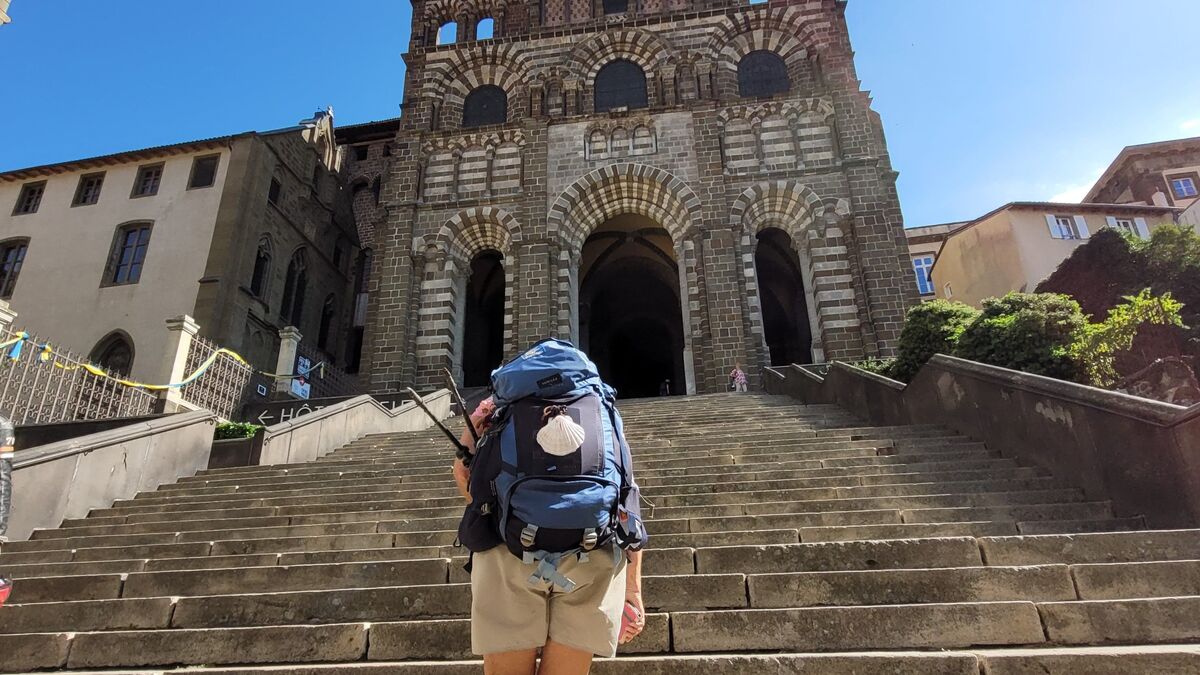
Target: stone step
(1150,546)
(840,556)
(1118,660)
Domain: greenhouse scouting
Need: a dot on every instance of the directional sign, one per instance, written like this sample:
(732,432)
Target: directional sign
(275,412)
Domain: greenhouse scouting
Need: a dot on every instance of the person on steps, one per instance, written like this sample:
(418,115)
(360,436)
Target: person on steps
(565,607)
(737,379)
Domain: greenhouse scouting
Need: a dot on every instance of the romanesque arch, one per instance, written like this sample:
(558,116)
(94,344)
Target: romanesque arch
(780,31)
(448,295)
(623,188)
(452,76)
(632,198)
(810,225)
(643,48)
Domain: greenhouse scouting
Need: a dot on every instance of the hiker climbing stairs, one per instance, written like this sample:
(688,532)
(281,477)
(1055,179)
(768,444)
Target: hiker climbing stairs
(784,538)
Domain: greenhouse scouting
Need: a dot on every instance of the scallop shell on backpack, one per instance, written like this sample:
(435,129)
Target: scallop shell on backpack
(561,436)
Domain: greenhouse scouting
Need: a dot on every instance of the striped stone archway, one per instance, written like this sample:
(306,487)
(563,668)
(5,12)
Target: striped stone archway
(448,257)
(629,188)
(806,218)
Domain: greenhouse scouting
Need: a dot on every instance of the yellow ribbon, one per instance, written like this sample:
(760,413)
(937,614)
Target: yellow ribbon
(46,354)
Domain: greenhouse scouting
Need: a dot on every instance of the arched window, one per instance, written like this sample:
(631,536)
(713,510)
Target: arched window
(485,105)
(262,268)
(616,6)
(114,353)
(447,33)
(485,29)
(128,254)
(620,84)
(326,327)
(292,307)
(762,73)
(12,256)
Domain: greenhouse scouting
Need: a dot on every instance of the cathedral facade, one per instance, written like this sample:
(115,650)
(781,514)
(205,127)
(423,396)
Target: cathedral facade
(677,186)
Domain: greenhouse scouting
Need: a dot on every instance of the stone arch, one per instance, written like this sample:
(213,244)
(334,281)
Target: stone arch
(448,256)
(477,229)
(811,223)
(451,79)
(782,31)
(648,50)
(623,188)
(620,189)
(786,205)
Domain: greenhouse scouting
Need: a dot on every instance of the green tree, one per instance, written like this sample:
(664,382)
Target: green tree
(1030,332)
(929,328)
(1096,347)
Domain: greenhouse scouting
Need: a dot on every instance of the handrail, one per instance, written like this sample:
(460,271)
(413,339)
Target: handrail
(52,451)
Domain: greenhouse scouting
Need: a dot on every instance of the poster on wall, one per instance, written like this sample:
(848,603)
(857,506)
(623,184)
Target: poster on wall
(300,385)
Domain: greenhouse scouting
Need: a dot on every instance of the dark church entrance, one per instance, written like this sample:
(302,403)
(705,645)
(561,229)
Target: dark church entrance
(781,293)
(483,339)
(630,321)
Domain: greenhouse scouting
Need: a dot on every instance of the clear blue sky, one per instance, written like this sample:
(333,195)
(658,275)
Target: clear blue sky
(983,102)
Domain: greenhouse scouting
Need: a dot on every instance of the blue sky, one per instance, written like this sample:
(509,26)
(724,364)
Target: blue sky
(982,102)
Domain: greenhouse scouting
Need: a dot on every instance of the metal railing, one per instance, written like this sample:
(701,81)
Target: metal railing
(33,391)
(335,382)
(222,387)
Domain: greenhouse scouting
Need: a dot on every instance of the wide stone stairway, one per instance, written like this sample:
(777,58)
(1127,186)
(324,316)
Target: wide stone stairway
(786,539)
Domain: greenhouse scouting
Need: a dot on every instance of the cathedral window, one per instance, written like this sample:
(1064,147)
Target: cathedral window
(447,33)
(616,6)
(262,268)
(294,286)
(485,29)
(762,73)
(485,105)
(620,84)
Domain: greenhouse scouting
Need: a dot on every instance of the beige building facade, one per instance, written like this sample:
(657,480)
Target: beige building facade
(923,245)
(1017,245)
(246,233)
(4,18)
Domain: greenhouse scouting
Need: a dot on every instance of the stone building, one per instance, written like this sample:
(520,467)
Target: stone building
(1166,173)
(246,233)
(676,185)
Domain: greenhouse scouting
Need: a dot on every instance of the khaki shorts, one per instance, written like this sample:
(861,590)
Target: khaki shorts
(510,614)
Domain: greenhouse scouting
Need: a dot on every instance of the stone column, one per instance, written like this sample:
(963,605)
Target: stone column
(7,316)
(180,331)
(289,345)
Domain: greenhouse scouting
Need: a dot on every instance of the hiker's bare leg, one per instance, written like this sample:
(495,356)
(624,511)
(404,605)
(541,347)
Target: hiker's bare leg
(563,660)
(511,663)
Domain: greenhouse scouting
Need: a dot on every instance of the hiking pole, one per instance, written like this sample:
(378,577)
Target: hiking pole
(462,405)
(460,451)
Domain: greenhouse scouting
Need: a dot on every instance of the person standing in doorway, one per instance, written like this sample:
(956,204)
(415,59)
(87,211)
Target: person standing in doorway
(664,389)
(737,379)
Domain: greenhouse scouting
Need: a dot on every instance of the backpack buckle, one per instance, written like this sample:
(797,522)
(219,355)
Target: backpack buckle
(528,534)
(590,538)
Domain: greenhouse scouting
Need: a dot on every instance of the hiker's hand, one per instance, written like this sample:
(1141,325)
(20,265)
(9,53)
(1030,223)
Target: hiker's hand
(462,476)
(634,629)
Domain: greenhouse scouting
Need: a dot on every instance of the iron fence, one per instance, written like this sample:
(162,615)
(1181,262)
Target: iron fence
(221,387)
(33,391)
(333,382)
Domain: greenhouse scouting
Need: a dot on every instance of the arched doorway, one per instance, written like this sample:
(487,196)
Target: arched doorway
(114,353)
(483,339)
(630,321)
(782,298)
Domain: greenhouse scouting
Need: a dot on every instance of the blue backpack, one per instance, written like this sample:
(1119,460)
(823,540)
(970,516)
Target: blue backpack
(542,506)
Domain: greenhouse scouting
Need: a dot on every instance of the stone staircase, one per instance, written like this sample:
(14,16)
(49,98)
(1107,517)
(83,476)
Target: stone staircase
(786,539)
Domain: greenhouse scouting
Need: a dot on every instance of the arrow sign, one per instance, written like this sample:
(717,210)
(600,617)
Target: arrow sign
(264,416)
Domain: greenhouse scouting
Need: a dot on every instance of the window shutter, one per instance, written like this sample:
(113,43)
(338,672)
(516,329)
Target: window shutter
(1081,226)
(1053,225)
(1112,222)
(1143,231)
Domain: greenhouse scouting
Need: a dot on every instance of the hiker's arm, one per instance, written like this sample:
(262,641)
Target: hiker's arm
(461,475)
(633,595)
